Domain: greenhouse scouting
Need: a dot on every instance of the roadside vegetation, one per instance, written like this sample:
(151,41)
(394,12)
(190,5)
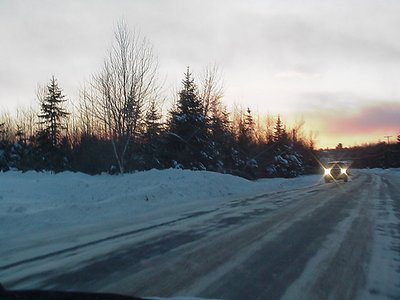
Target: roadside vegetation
(119,125)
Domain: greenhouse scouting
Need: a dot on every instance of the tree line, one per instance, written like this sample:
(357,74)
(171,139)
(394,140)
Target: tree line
(118,126)
(378,155)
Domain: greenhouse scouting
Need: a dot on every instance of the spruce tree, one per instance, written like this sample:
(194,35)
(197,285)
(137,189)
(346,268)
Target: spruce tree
(221,138)
(249,125)
(189,103)
(50,145)
(53,114)
(152,122)
(219,125)
(188,135)
(279,130)
(152,137)
(246,132)
(287,162)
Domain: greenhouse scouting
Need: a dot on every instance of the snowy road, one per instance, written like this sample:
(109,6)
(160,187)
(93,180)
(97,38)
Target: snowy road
(336,241)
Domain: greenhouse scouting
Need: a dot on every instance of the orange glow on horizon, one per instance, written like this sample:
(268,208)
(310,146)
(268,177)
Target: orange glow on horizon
(328,138)
(331,141)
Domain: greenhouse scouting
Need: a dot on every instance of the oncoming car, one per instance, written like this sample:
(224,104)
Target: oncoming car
(336,170)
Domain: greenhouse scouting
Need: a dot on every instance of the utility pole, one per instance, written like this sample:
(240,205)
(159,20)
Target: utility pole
(387,152)
(388,138)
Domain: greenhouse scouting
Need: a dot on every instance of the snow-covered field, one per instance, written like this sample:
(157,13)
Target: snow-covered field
(32,202)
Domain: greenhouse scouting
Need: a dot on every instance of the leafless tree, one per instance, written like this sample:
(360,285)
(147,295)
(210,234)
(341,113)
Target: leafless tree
(41,93)
(211,90)
(269,128)
(311,140)
(295,132)
(27,121)
(122,89)
(7,129)
(87,122)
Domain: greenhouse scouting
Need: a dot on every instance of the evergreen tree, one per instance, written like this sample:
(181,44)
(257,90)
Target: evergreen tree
(152,138)
(20,135)
(249,125)
(189,103)
(246,132)
(222,139)
(398,138)
(152,122)
(188,137)
(50,146)
(243,152)
(219,124)
(53,113)
(279,130)
(286,161)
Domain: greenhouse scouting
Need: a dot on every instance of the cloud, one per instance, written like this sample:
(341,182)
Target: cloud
(296,75)
(382,117)
(319,34)
(272,52)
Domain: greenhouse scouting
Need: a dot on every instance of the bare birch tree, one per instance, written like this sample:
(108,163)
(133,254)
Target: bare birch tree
(211,90)
(88,123)
(124,86)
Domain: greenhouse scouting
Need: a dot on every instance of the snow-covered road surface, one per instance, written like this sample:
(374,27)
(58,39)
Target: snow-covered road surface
(325,241)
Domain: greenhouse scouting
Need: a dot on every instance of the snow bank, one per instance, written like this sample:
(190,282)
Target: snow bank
(379,171)
(34,202)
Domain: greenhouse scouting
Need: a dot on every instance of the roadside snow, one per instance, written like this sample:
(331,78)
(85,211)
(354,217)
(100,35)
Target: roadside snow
(379,171)
(37,202)
(383,275)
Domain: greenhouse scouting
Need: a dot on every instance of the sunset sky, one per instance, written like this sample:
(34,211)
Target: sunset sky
(335,64)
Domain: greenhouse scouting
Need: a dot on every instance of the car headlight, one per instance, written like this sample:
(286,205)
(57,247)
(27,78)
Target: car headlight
(327,171)
(343,171)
